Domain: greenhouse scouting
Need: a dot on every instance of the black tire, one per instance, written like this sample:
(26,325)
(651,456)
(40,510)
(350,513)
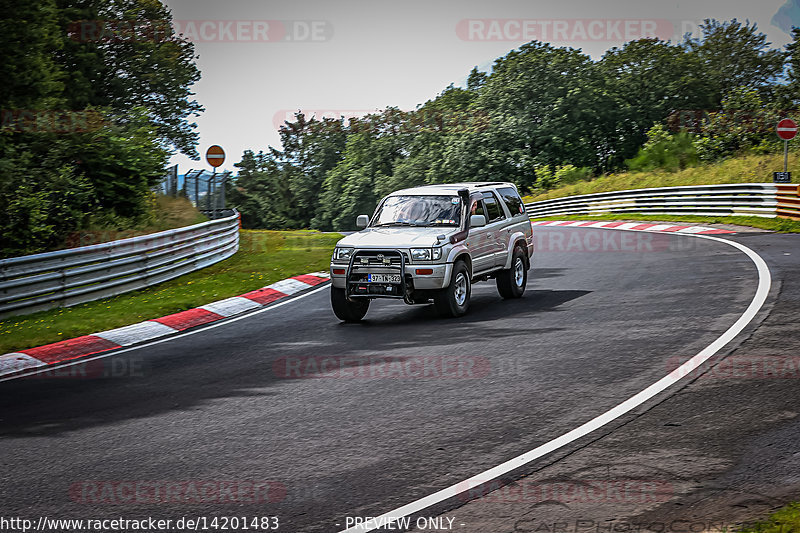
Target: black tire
(511,283)
(454,300)
(348,310)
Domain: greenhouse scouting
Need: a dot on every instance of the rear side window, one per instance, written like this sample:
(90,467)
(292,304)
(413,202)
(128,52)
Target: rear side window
(493,209)
(512,200)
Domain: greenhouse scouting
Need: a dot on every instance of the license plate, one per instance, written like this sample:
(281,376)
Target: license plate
(383,278)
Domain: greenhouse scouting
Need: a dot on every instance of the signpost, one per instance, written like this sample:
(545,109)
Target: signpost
(215,156)
(787,130)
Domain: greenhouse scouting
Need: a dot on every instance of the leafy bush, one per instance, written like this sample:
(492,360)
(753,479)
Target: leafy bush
(671,152)
(744,124)
(569,174)
(41,200)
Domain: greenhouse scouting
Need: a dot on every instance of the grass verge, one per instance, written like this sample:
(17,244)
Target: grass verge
(263,258)
(743,169)
(786,520)
(778,225)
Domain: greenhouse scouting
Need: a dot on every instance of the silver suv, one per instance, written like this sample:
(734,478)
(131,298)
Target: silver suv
(431,243)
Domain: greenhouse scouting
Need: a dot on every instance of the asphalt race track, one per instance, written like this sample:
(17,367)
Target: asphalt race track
(337,419)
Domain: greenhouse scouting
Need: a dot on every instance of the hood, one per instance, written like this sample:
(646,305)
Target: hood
(397,237)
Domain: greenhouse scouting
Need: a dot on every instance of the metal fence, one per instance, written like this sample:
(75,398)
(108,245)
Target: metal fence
(745,199)
(206,190)
(68,277)
(169,185)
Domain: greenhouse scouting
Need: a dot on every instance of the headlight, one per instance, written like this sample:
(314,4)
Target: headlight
(420,254)
(426,254)
(342,254)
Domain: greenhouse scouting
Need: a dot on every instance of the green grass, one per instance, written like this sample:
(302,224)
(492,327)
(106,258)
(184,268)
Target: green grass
(786,520)
(743,169)
(263,258)
(778,225)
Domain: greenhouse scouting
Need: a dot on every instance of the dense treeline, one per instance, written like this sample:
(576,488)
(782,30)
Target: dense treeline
(543,115)
(95,95)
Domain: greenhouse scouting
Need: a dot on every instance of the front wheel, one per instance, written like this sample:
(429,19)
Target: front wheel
(454,300)
(345,309)
(511,283)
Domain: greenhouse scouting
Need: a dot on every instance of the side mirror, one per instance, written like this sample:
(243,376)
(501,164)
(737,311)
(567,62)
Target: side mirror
(477,221)
(362,221)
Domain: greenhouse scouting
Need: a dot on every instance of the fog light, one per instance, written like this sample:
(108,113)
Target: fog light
(424,271)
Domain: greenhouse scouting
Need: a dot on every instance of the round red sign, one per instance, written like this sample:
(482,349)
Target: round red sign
(215,156)
(787,129)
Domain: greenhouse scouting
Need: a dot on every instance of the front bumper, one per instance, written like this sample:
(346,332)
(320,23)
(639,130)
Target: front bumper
(414,277)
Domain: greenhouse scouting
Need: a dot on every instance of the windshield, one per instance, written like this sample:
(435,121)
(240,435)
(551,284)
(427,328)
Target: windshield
(419,211)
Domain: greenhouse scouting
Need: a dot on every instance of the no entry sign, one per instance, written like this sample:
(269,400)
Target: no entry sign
(787,129)
(215,156)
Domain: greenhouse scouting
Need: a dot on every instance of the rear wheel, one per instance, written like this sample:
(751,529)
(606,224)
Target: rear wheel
(511,283)
(346,309)
(454,300)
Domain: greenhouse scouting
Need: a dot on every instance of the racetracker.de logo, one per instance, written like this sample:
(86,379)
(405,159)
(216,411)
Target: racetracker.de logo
(572,491)
(177,492)
(564,30)
(381,367)
(605,241)
(201,31)
(742,367)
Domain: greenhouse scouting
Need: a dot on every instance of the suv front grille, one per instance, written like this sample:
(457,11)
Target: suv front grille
(378,258)
(367,265)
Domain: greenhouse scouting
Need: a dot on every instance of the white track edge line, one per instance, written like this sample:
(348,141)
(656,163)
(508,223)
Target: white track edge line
(114,351)
(760,297)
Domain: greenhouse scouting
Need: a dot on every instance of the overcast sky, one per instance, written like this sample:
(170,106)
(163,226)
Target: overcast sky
(262,60)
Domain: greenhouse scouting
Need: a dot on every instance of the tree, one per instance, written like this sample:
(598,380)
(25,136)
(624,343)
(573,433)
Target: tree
(89,110)
(476,79)
(649,79)
(261,193)
(546,106)
(122,162)
(744,123)
(789,94)
(31,78)
(732,54)
(311,148)
(375,143)
(123,54)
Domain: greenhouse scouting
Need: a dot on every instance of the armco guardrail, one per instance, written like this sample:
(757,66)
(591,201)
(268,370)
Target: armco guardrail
(67,277)
(788,201)
(749,199)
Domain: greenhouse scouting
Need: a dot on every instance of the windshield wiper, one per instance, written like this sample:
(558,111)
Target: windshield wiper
(397,224)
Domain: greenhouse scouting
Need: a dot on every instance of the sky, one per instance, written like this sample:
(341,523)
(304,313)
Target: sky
(263,60)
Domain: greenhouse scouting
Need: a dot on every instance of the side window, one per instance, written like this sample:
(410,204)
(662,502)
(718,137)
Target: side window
(478,209)
(512,200)
(493,210)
